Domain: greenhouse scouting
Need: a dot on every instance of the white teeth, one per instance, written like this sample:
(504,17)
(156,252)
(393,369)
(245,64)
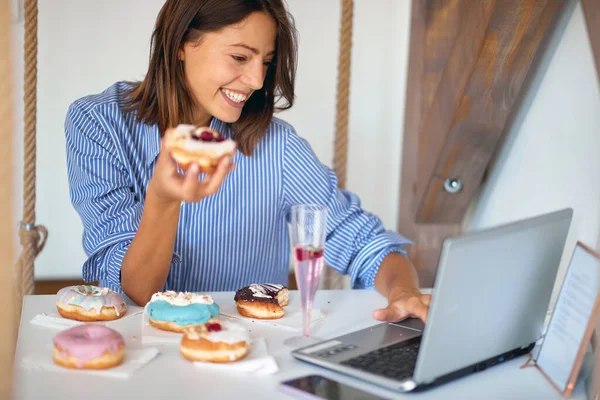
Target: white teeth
(236,97)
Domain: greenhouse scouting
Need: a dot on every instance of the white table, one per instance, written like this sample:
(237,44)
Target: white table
(171,377)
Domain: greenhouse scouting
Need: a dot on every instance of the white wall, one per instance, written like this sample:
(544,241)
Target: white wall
(551,158)
(84,46)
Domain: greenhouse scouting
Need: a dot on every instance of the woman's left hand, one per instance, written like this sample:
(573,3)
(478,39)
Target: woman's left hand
(403,305)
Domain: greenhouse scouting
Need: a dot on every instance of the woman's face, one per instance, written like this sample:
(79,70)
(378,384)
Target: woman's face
(225,67)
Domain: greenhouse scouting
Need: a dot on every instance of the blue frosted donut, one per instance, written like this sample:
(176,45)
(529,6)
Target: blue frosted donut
(174,311)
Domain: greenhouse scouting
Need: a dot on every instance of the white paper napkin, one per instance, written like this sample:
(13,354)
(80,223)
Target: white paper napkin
(134,360)
(257,362)
(55,321)
(151,335)
(292,320)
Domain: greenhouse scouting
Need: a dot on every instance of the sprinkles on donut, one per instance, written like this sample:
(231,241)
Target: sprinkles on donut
(90,303)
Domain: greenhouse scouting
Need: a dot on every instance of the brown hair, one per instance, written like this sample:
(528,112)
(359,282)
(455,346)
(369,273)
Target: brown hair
(162,97)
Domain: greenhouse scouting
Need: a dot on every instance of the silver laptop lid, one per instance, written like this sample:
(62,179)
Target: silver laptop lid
(491,293)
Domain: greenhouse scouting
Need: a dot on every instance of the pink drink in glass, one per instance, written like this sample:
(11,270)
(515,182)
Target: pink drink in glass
(308,228)
(308,264)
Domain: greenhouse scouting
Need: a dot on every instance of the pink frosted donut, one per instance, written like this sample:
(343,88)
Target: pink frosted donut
(90,303)
(89,346)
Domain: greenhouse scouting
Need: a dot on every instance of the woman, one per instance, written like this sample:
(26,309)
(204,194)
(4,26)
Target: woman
(147,228)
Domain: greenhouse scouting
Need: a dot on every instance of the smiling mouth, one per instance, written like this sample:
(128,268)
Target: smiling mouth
(236,97)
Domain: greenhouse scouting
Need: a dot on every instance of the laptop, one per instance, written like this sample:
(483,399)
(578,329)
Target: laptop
(489,303)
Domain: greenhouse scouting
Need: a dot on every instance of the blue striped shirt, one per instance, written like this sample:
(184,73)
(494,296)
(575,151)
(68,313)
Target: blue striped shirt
(231,239)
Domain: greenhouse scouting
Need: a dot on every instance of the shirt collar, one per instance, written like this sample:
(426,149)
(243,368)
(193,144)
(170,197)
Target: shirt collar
(154,139)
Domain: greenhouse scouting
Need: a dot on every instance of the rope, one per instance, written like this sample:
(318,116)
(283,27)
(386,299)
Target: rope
(33,238)
(332,279)
(340,155)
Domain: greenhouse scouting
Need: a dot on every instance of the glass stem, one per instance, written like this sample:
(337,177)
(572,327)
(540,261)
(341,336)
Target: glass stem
(307,317)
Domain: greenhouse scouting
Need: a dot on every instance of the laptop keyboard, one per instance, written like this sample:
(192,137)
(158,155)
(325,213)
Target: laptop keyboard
(396,361)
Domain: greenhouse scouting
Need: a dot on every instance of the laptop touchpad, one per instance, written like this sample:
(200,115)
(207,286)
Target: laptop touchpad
(378,336)
(411,323)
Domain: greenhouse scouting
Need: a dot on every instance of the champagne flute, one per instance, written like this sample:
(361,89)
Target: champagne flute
(308,229)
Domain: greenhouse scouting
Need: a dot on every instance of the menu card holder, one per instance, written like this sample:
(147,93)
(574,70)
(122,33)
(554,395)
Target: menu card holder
(593,380)
(572,323)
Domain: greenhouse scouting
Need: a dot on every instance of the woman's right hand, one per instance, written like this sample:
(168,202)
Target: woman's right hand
(168,185)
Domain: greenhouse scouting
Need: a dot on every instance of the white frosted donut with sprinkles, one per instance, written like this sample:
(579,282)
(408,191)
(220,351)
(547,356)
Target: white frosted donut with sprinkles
(90,303)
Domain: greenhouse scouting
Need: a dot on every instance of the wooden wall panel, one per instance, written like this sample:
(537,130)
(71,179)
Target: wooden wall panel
(8,326)
(591,10)
(469,67)
(514,40)
(426,240)
(439,118)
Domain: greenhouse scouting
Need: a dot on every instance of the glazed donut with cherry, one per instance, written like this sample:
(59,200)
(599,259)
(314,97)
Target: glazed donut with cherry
(201,145)
(89,346)
(216,341)
(90,303)
(262,301)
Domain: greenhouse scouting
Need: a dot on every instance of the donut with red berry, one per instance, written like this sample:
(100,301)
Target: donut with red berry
(204,146)
(262,301)
(215,341)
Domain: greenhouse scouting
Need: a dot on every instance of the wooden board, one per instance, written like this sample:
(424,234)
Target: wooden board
(591,11)
(421,88)
(8,327)
(470,65)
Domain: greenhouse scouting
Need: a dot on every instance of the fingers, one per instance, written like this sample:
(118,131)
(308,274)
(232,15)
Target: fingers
(389,314)
(193,190)
(190,187)
(415,306)
(401,309)
(187,187)
(164,157)
(426,299)
(165,164)
(214,181)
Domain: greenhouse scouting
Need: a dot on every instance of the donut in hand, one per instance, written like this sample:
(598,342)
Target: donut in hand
(262,301)
(172,311)
(204,146)
(90,303)
(89,346)
(216,341)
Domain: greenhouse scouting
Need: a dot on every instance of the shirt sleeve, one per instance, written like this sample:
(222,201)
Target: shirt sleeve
(356,241)
(101,193)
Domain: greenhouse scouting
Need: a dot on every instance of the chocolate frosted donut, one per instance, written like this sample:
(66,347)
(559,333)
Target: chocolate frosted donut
(262,301)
